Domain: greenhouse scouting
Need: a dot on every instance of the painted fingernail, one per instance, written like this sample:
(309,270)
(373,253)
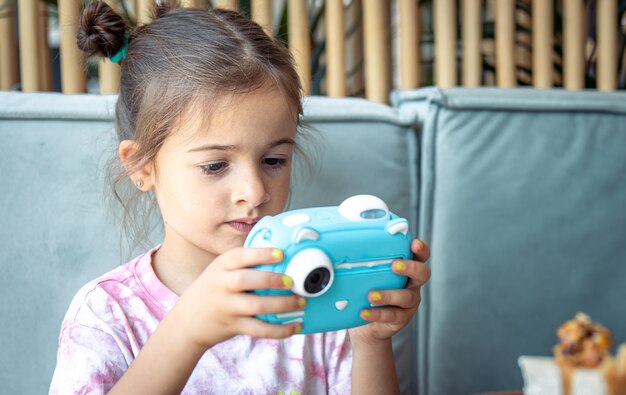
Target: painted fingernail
(366,313)
(277,254)
(302,302)
(298,328)
(376,296)
(400,266)
(287,282)
(420,245)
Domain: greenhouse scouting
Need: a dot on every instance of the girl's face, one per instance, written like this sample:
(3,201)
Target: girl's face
(214,180)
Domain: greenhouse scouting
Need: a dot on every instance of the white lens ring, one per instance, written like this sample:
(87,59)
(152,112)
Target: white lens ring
(311,261)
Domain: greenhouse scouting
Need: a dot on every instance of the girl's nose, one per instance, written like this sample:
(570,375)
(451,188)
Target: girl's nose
(251,189)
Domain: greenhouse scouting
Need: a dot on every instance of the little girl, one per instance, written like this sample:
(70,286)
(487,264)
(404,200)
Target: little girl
(207,119)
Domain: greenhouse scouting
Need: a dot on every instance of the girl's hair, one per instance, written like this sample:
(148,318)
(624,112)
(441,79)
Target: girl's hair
(178,65)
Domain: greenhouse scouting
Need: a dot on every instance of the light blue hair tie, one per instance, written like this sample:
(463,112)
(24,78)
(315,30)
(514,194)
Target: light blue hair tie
(121,54)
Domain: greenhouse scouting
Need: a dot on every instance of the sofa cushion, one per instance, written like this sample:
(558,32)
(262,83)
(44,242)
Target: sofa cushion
(57,232)
(523,201)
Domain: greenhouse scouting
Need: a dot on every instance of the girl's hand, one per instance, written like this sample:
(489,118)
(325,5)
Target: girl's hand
(401,304)
(218,306)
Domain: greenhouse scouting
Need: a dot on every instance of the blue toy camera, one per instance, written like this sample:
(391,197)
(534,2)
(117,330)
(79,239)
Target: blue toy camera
(335,256)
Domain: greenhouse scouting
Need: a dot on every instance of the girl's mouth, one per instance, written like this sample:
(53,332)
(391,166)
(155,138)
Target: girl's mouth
(243,226)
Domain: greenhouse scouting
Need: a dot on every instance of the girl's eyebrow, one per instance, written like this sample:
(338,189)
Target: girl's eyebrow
(211,147)
(218,147)
(281,142)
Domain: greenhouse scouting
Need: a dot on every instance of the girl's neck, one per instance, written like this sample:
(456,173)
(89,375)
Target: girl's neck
(177,271)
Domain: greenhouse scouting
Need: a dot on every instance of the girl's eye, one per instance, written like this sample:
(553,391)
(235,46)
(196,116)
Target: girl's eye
(274,163)
(213,168)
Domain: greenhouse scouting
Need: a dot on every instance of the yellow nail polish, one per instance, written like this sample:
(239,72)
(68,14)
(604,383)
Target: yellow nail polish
(277,254)
(400,266)
(302,302)
(287,282)
(366,313)
(376,296)
(298,328)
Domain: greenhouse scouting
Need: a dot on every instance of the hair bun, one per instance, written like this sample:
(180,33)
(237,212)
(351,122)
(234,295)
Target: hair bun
(101,31)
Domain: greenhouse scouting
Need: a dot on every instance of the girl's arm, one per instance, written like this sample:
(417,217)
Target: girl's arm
(213,309)
(373,367)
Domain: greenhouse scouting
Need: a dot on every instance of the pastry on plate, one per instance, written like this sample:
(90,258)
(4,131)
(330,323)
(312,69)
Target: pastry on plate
(581,363)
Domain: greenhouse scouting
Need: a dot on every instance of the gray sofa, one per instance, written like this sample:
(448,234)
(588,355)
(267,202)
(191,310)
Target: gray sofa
(520,193)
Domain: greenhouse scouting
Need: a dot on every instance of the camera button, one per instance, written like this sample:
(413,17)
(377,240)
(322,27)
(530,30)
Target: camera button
(296,219)
(305,234)
(401,226)
(363,208)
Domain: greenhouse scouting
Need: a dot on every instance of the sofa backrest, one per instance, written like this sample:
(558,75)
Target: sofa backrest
(56,232)
(519,192)
(523,200)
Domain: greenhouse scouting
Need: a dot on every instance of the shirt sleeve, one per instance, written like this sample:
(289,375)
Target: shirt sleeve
(89,361)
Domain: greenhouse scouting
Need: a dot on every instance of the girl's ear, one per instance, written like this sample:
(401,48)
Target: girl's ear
(142,178)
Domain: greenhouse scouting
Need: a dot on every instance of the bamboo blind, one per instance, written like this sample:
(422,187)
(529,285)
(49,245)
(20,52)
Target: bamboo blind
(543,27)
(377,50)
(109,72)
(505,43)
(227,4)
(472,33)
(144,10)
(408,26)
(9,75)
(445,43)
(73,79)
(573,48)
(335,48)
(454,44)
(607,53)
(262,14)
(299,43)
(29,45)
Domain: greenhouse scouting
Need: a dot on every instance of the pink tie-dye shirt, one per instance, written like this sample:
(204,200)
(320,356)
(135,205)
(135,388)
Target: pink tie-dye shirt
(112,317)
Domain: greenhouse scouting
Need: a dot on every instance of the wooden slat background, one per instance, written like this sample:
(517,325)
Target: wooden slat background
(457,49)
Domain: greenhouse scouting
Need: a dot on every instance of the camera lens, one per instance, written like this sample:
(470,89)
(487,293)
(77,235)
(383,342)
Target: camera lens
(317,280)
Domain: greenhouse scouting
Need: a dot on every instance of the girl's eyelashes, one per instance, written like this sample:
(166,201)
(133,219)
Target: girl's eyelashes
(274,163)
(269,163)
(213,168)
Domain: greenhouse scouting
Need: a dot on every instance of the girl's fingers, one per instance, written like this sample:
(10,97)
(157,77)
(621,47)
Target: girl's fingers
(403,298)
(257,328)
(248,304)
(239,258)
(400,301)
(250,279)
(417,271)
(421,250)
(386,315)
